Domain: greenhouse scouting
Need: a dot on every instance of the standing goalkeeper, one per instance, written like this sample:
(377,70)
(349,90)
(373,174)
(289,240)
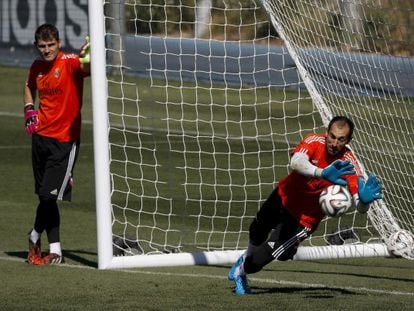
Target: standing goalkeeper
(57,80)
(292,211)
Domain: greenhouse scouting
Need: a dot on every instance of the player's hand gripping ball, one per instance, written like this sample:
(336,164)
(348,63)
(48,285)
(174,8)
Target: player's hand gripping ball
(335,200)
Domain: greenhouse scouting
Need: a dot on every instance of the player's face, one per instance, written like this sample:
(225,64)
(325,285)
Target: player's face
(336,138)
(48,49)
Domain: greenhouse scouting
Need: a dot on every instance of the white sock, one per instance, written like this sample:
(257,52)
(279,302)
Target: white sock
(55,248)
(34,236)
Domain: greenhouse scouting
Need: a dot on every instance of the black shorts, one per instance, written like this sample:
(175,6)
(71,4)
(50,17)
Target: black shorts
(53,164)
(274,225)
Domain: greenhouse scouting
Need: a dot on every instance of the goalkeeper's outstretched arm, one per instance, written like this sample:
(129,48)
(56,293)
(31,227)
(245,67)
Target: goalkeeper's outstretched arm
(368,191)
(333,173)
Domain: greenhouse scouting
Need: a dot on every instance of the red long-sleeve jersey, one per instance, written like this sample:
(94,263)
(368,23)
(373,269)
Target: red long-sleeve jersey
(300,194)
(60,87)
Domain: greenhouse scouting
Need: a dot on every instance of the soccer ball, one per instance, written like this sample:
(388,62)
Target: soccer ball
(335,200)
(401,243)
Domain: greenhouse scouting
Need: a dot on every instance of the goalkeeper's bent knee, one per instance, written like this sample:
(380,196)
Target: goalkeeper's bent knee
(263,255)
(256,261)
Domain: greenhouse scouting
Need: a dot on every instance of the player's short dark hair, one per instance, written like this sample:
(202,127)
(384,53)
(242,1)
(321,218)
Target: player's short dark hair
(46,32)
(342,120)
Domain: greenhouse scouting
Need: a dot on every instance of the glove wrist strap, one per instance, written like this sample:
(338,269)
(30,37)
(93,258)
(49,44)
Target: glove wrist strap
(28,106)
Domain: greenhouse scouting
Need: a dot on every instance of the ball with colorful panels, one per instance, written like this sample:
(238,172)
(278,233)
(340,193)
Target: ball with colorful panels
(335,200)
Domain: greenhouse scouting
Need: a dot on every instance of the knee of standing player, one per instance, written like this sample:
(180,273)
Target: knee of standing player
(46,200)
(47,203)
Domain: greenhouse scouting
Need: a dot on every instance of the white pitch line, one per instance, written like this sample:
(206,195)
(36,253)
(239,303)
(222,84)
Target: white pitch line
(7,147)
(220,277)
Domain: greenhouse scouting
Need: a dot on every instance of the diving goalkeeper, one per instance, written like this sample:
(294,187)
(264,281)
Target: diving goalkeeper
(56,79)
(292,212)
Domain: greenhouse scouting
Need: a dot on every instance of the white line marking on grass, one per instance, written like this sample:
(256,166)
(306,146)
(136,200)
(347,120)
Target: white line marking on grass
(11,114)
(220,277)
(349,288)
(16,147)
(280,282)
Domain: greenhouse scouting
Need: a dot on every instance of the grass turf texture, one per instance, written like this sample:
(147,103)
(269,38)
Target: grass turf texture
(375,283)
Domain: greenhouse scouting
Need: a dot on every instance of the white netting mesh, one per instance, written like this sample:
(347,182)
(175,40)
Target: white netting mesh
(205,102)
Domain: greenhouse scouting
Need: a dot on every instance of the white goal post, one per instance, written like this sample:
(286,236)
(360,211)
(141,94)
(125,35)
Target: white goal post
(196,105)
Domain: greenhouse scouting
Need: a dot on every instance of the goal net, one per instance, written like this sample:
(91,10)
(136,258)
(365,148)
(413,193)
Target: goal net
(197,105)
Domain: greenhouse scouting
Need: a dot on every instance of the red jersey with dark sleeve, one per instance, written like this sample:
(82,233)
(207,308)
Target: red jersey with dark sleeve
(59,85)
(300,194)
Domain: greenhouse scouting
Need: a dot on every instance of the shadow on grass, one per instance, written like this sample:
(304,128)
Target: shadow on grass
(317,292)
(336,274)
(356,275)
(78,256)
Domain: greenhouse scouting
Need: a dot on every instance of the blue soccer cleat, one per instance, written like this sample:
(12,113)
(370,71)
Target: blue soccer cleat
(237,275)
(237,264)
(241,285)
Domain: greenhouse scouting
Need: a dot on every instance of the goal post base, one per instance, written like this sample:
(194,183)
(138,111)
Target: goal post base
(229,257)
(342,251)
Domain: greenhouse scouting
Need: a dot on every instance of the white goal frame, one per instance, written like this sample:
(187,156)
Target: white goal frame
(100,127)
(106,259)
